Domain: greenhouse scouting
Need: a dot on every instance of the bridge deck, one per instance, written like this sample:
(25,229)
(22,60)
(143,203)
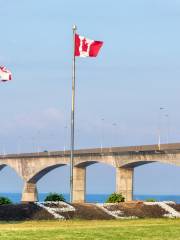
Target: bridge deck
(97,151)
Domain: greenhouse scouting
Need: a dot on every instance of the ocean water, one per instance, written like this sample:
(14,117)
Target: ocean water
(96,198)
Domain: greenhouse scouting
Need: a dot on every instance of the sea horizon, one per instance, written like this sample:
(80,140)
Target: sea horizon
(98,198)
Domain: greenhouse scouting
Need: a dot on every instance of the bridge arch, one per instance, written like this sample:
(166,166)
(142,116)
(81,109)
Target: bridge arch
(100,179)
(81,171)
(12,166)
(108,160)
(10,181)
(137,164)
(30,192)
(2,166)
(132,163)
(41,173)
(158,178)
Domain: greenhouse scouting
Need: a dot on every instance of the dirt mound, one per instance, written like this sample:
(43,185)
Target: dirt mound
(137,209)
(20,212)
(17,212)
(89,211)
(175,206)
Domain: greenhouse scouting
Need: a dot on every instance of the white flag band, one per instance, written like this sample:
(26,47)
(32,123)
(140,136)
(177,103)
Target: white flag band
(5,74)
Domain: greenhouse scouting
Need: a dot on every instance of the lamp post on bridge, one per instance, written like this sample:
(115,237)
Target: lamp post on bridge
(20,141)
(3,150)
(102,133)
(159,127)
(114,130)
(167,122)
(161,115)
(65,138)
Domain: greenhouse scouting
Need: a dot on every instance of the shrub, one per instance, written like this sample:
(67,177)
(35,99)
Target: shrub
(5,200)
(54,197)
(115,198)
(150,200)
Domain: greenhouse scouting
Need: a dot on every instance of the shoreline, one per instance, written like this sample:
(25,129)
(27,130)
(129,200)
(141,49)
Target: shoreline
(98,198)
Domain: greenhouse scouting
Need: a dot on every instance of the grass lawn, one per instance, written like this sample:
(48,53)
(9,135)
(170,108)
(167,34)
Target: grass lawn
(148,229)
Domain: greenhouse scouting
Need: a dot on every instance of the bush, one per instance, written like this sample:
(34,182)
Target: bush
(115,198)
(54,197)
(5,200)
(150,200)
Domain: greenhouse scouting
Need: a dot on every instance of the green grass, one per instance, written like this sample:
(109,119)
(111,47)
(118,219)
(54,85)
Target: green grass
(148,229)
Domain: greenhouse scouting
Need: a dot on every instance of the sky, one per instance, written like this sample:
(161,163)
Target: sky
(118,94)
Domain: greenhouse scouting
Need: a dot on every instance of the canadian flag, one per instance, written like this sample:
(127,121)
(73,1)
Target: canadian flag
(5,75)
(85,47)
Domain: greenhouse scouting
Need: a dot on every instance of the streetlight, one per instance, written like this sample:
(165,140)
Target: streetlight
(167,122)
(102,132)
(159,127)
(33,143)
(166,115)
(3,150)
(19,144)
(65,137)
(114,130)
(38,141)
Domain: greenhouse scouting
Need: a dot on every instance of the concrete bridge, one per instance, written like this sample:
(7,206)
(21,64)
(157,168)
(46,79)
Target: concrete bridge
(33,166)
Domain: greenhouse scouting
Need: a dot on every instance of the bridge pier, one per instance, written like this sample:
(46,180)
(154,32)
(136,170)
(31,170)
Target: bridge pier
(29,193)
(79,184)
(124,182)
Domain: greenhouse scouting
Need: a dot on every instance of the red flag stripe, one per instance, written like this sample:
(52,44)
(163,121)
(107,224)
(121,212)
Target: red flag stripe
(95,47)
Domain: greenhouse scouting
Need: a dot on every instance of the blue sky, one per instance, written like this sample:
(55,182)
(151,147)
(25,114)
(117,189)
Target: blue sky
(136,73)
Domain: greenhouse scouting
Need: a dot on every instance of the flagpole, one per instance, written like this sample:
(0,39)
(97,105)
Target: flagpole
(72,116)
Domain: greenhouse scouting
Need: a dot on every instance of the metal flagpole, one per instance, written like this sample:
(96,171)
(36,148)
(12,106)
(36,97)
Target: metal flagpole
(72,116)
